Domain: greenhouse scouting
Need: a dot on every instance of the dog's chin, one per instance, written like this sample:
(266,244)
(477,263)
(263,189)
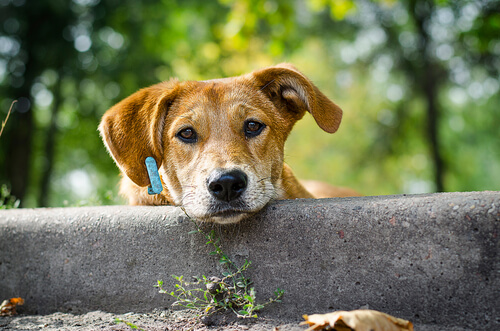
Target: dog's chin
(226,217)
(222,212)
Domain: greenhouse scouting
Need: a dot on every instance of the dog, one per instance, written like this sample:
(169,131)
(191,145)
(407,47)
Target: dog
(218,143)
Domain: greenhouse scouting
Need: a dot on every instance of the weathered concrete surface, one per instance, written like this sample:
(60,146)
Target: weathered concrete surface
(433,259)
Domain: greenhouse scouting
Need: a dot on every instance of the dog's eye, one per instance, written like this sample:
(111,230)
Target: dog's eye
(253,128)
(187,135)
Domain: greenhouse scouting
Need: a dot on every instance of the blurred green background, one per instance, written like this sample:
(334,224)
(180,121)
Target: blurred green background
(418,82)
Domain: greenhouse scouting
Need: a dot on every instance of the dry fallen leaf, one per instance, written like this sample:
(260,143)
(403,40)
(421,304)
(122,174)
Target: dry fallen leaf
(357,320)
(8,307)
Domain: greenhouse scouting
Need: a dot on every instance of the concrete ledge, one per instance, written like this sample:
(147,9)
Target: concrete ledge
(432,259)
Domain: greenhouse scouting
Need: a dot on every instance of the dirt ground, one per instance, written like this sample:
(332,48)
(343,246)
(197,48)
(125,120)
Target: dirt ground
(164,320)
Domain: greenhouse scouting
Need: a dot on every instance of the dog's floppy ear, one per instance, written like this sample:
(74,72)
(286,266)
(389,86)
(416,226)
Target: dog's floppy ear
(132,130)
(288,87)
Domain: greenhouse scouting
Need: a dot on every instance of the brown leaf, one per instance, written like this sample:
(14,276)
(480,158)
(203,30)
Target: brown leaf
(357,320)
(8,307)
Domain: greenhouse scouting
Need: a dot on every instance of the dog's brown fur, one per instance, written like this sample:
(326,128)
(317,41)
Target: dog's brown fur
(148,123)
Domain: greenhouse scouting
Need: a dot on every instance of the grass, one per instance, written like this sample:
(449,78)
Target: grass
(130,325)
(231,291)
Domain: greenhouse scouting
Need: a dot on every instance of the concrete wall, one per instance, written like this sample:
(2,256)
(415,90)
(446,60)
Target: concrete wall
(432,259)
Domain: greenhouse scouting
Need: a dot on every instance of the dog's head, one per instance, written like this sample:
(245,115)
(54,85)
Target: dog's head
(219,143)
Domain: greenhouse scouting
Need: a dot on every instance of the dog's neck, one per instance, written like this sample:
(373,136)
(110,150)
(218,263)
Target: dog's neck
(292,188)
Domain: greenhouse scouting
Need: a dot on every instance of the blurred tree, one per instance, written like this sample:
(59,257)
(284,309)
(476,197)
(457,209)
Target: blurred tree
(423,46)
(32,43)
(418,81)
(426,47)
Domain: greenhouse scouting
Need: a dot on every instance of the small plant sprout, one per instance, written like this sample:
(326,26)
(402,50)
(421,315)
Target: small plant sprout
(7,117)
(130,325)
(232,291)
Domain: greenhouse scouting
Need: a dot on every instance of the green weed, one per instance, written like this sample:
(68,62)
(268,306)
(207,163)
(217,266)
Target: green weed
(7,201)
(130,325)
(232,291)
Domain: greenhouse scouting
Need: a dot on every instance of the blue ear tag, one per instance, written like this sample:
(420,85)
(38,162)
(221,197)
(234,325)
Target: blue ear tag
(154,177)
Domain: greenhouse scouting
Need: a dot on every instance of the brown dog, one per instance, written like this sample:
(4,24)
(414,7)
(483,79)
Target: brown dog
(218,143)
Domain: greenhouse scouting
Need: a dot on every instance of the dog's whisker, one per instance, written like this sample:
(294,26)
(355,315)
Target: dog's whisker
(263,179)
(263,87)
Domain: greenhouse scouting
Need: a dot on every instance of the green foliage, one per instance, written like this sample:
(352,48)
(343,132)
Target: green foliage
(7,201)
(209,295)
(374,58)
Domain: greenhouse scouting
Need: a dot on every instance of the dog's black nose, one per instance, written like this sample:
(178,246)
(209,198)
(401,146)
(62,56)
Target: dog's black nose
(228,186)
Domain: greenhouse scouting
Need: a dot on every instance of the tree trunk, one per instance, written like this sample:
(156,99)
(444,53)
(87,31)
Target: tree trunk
(43,198)
(19,149)
(430,90)
(429,77)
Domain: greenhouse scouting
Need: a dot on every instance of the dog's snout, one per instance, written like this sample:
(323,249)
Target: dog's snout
(229,185)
